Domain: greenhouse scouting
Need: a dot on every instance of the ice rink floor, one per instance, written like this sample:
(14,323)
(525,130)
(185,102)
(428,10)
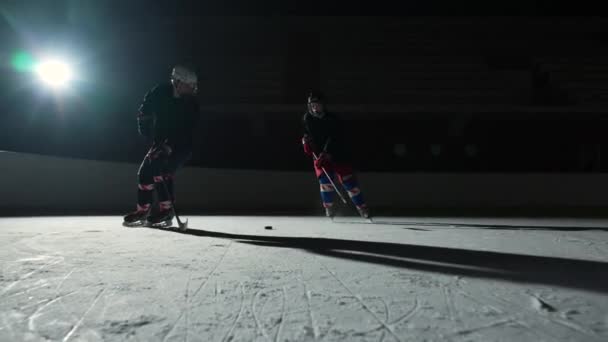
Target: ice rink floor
(308,279)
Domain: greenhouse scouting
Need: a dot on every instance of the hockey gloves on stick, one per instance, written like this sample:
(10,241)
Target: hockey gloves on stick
(323,161)
(307,145)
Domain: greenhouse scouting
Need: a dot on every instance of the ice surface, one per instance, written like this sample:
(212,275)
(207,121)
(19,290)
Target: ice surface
(308,279)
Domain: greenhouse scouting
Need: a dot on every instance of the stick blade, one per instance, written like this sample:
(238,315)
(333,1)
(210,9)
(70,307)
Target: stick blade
(183,225)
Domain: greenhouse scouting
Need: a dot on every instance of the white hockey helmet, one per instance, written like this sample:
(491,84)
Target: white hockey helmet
(185,75)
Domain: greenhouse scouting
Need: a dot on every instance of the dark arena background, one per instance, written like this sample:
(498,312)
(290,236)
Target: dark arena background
(478,139)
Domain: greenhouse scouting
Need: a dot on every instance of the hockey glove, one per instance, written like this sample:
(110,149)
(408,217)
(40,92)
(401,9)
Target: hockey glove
(307,145)
(323,161)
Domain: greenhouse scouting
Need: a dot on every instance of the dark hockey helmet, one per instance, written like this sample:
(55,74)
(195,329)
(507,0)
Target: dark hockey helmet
(316,96)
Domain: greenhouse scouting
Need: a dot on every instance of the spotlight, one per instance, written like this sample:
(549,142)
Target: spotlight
(55,73)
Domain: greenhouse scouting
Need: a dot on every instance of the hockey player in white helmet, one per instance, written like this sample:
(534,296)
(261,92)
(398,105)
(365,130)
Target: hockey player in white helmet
(167,116)
(184,81)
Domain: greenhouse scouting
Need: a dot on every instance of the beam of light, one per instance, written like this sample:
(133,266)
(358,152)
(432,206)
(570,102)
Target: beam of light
(54,73)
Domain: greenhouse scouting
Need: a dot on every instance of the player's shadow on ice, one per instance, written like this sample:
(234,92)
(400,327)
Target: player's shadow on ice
(505,226)
(571,273)
(422,225)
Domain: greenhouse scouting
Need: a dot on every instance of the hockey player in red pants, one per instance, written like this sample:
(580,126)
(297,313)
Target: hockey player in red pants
(323,140)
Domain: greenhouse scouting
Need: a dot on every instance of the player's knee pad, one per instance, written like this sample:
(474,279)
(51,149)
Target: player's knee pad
(355,191)
(327,188)
(145,187)
(323,179)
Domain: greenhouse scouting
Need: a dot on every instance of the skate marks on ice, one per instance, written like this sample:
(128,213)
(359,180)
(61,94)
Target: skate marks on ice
(55,288)
(49,312)
(229,335)
(282,319)
(185,311)
(520,308)
(479,319)
(282,306)
(427,315)
(265,323)
(77,325)
(258,324)
(306,310)
(478,310)
(313,325)
(383,323)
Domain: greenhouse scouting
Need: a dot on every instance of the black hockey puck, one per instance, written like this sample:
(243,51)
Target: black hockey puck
(268,227)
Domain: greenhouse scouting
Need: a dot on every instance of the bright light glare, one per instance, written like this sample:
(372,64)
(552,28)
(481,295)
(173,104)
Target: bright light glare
(53,72)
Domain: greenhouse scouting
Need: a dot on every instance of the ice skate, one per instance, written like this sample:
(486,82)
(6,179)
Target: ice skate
(364,212)
(136,218)
(162,219)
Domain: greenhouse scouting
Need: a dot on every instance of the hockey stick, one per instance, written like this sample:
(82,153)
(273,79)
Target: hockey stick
(331,180)
(180,224)
(327,174)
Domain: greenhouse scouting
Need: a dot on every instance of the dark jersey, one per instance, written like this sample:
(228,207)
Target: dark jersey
(165,117)
(326,135)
